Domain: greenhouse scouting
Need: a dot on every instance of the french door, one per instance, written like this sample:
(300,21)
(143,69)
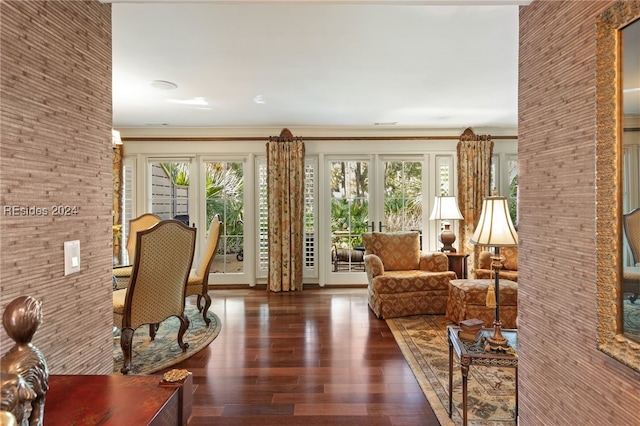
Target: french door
(224,196)
(349,213)
(345,196)
(369,193)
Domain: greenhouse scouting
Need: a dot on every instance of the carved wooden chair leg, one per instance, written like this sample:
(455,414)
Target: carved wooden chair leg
(207,305)
(153,328)
(184,324)
(198,301)
(126,339)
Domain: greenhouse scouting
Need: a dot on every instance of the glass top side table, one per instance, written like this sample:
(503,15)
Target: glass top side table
(473,353)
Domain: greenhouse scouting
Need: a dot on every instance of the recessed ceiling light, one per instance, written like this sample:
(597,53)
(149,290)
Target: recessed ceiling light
(163,85)
(259,99)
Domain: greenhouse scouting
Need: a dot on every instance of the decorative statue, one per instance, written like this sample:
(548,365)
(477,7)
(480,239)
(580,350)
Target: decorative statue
(16,397)
(25,376)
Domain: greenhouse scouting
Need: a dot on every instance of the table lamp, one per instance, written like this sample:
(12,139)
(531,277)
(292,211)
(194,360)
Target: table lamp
(496,230)
(445,209)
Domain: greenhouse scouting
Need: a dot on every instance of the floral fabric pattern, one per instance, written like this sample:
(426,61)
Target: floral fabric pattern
(474,177)
(117,198)
(285,204)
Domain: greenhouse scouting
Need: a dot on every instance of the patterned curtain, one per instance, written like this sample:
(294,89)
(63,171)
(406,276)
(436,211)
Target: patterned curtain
(285,207)
(474,180)
(117,205)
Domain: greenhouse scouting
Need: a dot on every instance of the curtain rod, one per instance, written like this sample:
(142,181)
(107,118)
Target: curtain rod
(307,138)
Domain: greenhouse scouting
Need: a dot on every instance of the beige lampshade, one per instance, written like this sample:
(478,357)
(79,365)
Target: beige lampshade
(445,208)
(495,227)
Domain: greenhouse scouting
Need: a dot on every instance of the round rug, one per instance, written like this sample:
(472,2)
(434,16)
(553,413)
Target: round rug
(150,356)
(631,318)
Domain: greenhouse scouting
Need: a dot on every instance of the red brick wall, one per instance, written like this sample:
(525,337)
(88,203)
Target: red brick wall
(55,149)
(564,379)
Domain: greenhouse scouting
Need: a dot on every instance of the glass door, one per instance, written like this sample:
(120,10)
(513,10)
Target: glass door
(224,195)
(402,195)
(349,213)
(382,194)
(170,189)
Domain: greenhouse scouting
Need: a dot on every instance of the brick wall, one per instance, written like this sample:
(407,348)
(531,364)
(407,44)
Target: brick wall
(55,150)
(564,379)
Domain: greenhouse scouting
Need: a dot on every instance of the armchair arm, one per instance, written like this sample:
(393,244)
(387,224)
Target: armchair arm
(435,262)
(373,265)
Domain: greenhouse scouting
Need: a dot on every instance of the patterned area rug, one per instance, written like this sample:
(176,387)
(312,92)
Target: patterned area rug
(631,315)
(491,390)
(150,356)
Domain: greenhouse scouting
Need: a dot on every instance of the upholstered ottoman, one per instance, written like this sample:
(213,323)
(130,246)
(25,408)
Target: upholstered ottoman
(467,299)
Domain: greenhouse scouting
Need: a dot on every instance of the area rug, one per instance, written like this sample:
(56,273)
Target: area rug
(631,318)
(150,356)
(491,390)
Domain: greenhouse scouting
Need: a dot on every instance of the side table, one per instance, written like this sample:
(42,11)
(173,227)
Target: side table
(458,263)
(472,353)
(117,400)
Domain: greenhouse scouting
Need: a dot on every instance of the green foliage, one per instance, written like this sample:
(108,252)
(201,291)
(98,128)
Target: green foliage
(403,195)
(350,208)
(513,199)
(177,172)
(351,216)
(224,193)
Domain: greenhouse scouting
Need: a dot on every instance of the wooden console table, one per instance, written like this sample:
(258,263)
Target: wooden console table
(116,400)
(458,263)
(472,353)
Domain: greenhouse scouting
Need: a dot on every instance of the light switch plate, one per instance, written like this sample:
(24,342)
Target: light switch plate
(71,257)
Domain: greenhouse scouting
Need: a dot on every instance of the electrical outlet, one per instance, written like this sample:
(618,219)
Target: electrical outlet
(71,257)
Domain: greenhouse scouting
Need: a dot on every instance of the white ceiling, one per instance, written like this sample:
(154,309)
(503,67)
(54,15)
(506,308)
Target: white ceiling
(420,64)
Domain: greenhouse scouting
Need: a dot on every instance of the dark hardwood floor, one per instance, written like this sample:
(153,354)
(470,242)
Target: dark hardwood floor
(316,357)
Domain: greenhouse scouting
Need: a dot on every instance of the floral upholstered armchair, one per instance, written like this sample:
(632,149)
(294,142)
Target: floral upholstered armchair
(403,280)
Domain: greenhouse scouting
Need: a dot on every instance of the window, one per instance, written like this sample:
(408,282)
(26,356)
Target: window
(310,219)
(170,189)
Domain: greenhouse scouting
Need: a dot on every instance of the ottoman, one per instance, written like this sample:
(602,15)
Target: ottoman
(467,299)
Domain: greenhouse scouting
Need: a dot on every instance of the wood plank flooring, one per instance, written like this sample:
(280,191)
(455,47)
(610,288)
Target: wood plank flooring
(316,357)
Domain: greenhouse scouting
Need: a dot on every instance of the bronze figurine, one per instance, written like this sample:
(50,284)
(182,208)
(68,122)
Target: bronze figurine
(24,363)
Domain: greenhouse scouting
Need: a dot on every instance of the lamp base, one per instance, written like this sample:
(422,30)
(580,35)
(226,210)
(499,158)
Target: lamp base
(497,343)
(447,238)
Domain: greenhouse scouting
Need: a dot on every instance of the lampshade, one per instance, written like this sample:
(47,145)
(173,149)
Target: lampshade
(115,137)
(495,227)
(445,208)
